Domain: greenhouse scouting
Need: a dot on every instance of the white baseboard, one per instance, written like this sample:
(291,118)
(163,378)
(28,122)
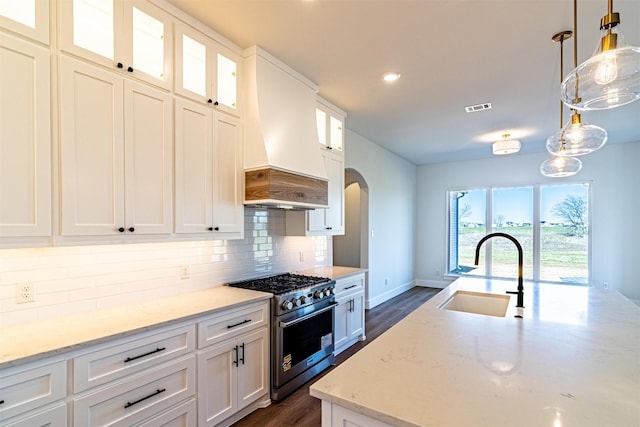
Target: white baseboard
(429,283)
(379,299)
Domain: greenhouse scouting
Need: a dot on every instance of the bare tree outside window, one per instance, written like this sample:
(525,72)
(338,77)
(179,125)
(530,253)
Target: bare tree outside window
(573,210)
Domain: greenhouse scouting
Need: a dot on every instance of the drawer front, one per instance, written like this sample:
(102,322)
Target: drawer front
(141,397)
(27,389)
(183,415)
(349,284)
(129,356)
(54,417)
(231,323)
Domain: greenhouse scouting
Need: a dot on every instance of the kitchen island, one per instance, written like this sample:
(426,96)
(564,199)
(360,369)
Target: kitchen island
(573,360)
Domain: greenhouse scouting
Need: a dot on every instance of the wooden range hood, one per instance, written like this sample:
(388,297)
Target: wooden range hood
(283,160)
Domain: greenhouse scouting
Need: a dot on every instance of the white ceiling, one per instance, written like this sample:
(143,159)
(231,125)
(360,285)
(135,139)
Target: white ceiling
(451,53)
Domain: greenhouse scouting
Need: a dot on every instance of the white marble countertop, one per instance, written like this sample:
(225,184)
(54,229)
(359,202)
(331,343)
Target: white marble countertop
(573,360)
(333,272)
(21,343)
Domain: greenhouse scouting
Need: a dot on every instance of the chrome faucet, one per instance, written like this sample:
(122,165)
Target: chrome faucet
(520,291)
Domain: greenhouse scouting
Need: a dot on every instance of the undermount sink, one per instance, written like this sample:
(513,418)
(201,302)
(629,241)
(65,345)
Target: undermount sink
(478,303)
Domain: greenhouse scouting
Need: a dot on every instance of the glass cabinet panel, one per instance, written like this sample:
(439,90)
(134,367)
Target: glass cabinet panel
(148,44)
(93,26)
(23,11)
(227,81)
(321,121)
(335,126)
(194,66)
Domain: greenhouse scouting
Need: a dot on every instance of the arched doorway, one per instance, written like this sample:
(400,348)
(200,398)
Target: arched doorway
(352,249)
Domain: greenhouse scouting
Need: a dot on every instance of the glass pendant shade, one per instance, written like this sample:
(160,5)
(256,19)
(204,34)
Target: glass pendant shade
(560,167)
(609,79)
(576,138)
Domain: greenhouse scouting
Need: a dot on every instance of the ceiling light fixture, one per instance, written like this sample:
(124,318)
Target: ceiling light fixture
(391,77)
(611,77)
(506,146)
(576,138)
(562,165)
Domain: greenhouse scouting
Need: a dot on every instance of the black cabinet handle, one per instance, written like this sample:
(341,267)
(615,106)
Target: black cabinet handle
(209,101)
(217,228)
(130,70)
(216,103)
(210,228)
(157,350)
(119,65)
(242,358)
(157,392)
(238,324)
(131,229)
(329,228)
(1,402)
(235,362)
(121,229)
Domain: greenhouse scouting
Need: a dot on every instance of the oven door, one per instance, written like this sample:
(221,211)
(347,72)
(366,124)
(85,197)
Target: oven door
(302,339)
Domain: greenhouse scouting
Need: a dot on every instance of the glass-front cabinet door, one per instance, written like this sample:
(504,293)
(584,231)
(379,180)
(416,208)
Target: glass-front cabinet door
(206,71)
(330,127)
(133,37)
(27,17)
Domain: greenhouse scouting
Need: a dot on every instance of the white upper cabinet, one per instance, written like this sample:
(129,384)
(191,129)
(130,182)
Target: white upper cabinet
(132,36)
(206,71)
(116,153)
(27,17)
(330,123)
(25,159)
(209,173)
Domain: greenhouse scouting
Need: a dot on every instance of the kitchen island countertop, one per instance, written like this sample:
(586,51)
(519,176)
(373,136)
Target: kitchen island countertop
(573,360)
(21,343)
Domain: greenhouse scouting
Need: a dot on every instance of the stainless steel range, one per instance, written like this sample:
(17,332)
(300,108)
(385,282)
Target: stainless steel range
(302,324)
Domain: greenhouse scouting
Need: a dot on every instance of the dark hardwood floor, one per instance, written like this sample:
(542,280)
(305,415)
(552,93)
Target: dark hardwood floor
(300,409)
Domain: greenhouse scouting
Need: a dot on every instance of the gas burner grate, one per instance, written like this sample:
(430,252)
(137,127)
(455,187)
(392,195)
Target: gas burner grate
(280,283)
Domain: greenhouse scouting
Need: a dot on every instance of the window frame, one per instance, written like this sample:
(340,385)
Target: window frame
(536,229)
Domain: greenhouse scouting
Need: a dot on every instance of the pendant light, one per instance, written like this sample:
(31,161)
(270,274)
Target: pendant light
(611,77)
(561,165)
(577,138)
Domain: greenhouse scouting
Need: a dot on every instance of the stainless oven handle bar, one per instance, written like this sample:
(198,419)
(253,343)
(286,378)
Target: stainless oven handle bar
(308,316)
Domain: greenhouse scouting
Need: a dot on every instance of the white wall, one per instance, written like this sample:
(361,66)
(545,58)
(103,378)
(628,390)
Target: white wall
(614,173)
(82,278)
(392,212)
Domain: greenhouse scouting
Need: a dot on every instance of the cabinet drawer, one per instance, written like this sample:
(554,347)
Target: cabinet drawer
(349,284)
(54,417)
(183,415)
(143,396)
(23,390)
(129,356)
(230,323)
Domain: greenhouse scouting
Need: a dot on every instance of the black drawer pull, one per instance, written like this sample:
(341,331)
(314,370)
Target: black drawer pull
(157,392)
(350,287)
(157,350)
(238,324)
(1,402)
(242,358)
(235,362)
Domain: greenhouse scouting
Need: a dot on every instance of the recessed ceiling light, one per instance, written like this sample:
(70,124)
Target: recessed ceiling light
(391,77)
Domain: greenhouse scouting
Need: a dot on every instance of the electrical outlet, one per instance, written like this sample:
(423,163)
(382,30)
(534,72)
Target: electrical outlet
(386,281)
(301,256)
(605,285)
(184,272)
(25,292)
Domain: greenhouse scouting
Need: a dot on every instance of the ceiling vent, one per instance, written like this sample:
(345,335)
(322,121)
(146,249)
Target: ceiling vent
(479,107)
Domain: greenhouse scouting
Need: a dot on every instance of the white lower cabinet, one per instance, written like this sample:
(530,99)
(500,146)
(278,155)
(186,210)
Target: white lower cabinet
(337,416)
(183,415)
(27,391)
(53,417)
(232,374)
(349,313)
(139,397)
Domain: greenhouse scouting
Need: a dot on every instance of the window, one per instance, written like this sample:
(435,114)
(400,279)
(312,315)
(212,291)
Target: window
(551,222)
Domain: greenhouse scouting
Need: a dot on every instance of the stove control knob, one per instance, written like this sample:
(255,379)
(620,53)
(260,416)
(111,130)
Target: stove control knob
(330,291)
(287,305)
(296,302)
(325,292)
(303,299)
(318,294)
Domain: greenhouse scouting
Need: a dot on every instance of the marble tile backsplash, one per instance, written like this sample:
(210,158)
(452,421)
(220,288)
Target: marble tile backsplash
(81,278)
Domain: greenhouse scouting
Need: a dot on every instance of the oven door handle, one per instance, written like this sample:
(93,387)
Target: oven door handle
(308,316)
